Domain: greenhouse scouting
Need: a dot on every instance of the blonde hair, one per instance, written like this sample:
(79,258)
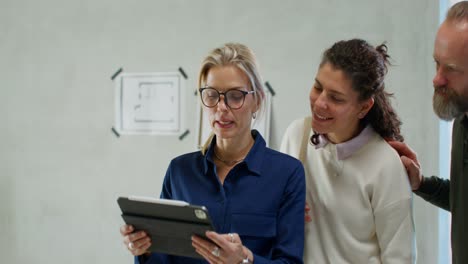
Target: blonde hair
(241,56)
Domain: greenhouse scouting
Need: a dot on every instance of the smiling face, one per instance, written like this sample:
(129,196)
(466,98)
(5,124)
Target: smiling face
(450,98)
(226,123)
(335,107)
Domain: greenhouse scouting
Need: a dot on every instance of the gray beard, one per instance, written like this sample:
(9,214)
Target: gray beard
(448,108)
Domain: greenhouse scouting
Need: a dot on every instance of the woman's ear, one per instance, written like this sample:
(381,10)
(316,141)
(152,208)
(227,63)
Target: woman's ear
(366,107)
(258,101)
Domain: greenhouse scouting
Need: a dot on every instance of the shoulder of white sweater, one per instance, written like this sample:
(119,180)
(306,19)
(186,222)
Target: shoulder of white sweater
(378,155)
(378,146)
(295,127)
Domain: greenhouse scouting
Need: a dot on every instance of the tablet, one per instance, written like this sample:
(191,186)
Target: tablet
(169,223)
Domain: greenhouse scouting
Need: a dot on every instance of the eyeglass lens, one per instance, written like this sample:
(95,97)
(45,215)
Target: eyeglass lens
(233,98)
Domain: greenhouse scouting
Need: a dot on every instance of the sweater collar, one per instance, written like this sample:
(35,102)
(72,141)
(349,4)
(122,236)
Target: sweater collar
(346,149)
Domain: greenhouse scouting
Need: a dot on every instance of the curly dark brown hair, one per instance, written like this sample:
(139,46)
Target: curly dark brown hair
(366,67)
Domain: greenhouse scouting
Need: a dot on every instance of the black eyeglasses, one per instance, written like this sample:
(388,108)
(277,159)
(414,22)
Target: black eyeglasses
(233,98)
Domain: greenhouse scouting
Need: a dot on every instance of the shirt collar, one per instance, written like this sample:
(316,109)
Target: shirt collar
(346,149)
(253,160)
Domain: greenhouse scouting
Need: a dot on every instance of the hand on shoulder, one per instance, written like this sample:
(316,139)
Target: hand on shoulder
(409,159)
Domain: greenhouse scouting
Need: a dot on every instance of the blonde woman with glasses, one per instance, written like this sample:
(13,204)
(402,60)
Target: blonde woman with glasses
(255,195)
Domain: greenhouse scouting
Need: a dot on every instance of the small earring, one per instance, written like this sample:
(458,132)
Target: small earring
(361,115)
(254,115)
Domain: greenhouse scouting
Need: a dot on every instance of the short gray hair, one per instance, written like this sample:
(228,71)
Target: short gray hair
(458,12)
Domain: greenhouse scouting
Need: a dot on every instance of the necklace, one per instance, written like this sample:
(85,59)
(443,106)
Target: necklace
(228,162)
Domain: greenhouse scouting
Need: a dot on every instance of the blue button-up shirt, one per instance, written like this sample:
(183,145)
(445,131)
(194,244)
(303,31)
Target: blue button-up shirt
(262,199)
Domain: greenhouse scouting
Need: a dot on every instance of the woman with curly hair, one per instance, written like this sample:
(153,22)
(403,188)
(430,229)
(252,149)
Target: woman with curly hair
(357,188)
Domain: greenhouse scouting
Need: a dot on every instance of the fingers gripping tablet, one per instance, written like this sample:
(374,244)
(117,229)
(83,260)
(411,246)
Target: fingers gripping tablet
(169,223)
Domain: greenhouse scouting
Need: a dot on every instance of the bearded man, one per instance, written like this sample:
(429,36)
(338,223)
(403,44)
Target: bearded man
(450,101)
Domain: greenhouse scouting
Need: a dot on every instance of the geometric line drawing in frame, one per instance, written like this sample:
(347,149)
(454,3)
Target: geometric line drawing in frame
(150,103)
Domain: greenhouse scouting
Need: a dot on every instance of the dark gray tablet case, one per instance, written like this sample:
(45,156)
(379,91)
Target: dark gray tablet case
(170,227)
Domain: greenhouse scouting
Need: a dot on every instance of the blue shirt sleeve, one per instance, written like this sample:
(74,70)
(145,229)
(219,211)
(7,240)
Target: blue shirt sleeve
(289,247)
(154,259)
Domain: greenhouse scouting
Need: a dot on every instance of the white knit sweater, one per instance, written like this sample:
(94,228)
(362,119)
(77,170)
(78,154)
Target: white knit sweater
(361,206)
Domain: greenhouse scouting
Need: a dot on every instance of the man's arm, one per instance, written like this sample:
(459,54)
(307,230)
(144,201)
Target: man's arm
(434,190)
(409,158)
